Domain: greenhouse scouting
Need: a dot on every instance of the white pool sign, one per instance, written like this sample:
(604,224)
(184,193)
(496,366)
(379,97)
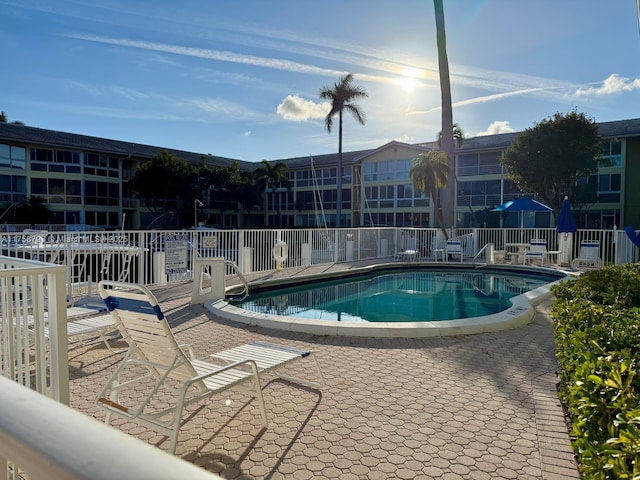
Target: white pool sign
(175,247)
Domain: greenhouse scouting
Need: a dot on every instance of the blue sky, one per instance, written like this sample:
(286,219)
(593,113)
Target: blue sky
(240,79)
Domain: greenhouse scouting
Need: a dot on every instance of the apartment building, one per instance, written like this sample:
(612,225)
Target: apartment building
(84,179)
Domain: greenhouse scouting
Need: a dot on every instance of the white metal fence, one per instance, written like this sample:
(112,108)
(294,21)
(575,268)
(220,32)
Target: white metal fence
(32,297)
(151,257)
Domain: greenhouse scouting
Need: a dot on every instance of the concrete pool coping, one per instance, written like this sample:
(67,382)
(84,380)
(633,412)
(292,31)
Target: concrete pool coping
(520,313)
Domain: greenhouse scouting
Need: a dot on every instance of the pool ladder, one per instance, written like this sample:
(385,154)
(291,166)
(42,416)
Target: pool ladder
(245,291)
(478,254)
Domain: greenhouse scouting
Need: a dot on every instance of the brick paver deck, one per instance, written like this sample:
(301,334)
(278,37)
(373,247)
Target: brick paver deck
(468,407)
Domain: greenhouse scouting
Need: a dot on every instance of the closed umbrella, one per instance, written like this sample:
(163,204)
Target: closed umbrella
(566,228)
(565,219)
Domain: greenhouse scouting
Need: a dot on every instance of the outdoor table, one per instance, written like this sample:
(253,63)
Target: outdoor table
(516,249)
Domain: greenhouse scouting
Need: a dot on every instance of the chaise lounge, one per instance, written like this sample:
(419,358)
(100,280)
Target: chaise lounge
(155,362)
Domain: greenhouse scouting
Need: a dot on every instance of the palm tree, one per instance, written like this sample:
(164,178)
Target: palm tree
(270,174)
(448,195)
(342,96)
(458,137)
(429,173)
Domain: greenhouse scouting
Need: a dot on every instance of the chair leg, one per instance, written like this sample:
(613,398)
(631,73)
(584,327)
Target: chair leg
(259,396)
(304,382)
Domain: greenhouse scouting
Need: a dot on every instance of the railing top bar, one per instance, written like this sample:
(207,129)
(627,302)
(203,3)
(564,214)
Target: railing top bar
(69,444)
(26,267)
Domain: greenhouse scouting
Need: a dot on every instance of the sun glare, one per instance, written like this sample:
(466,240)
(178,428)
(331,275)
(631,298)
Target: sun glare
(410,79)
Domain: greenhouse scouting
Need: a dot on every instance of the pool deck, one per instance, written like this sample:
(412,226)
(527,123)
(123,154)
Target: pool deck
(480,406)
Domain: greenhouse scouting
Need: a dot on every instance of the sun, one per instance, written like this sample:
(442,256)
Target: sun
(410,79)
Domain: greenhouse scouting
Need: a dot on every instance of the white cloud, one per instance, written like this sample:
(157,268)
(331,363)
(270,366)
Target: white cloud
(297,109)
(611,85)
(405,139)
(499,126)
(247,133)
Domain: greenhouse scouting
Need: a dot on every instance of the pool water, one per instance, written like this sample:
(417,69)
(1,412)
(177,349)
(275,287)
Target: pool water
(400,296)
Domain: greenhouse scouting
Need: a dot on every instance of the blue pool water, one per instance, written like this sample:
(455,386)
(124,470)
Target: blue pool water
(399,296)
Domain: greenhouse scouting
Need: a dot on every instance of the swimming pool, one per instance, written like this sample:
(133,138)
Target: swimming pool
(398,301)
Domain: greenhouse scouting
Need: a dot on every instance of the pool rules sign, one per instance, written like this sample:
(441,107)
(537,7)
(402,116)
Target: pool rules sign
(175,247)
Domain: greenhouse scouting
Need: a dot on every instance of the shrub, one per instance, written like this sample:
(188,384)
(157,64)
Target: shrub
(596,323)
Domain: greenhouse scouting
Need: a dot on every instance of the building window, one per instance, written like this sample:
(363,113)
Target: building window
(611,154)
(13,189)
(58,190)
(386,170)
(474,164)
(13,157)
(55,161)
(405,195)
(101,165)
(609,188)
(479,193)
(101,193)
(302,178)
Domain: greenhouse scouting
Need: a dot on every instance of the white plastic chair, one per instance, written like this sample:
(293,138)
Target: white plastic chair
(453,248)
(537,250)
(133,392)
(589,255)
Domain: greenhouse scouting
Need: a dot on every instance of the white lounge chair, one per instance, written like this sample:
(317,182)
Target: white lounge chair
(88,330)
(91,330)
(589,255)
(165,365)
(453,248)
(537,251)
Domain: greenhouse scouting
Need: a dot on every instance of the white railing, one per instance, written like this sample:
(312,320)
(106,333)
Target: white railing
(143,257)
(32,296)
(41,439)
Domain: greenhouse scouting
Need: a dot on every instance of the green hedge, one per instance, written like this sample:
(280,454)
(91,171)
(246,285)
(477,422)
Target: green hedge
(597,328)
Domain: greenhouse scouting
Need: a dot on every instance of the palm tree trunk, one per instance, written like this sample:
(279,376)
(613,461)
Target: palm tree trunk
(448,193)
(339,177)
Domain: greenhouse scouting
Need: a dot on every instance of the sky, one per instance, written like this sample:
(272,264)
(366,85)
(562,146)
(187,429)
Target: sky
(241,78)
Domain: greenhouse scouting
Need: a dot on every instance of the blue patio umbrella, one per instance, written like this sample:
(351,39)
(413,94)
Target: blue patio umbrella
(565,219)
(522,204)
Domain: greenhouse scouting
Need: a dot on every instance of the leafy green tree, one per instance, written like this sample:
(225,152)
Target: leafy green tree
(446,141)
(214,186)
(429,173)
(551,156)
(343,96)
(273,176)
(166,183)
(248,195)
